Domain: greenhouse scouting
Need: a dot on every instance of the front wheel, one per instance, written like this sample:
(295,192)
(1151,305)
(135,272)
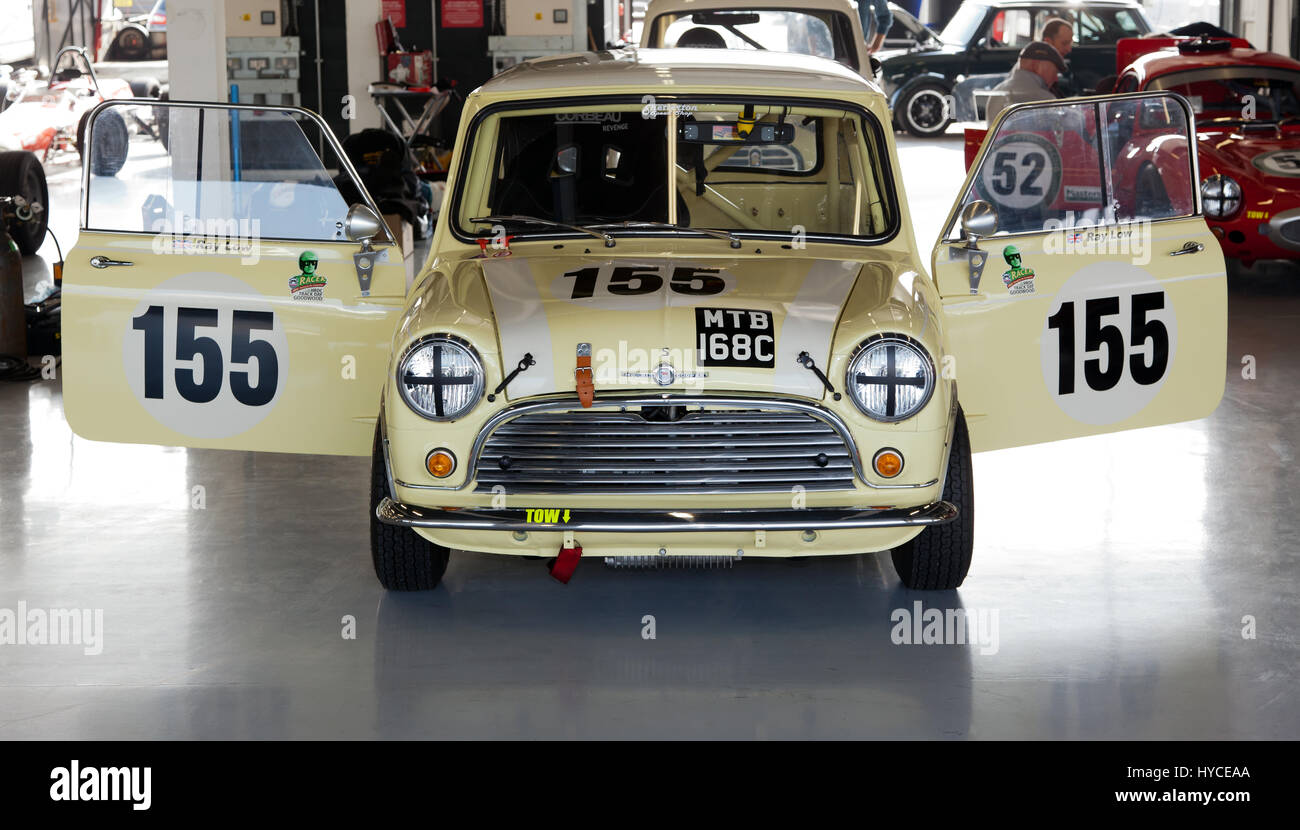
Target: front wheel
(112,142)
(21,174)
(939,557)
(924,111)
(131,44)
(404,560)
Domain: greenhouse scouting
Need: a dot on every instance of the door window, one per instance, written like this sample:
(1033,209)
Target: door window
(1011,28)
(216,172)
(1096,162)
(1098,27)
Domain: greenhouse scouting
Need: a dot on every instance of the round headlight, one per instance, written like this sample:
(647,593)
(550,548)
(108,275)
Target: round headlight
(890,377)
(440,378)
(1220,196)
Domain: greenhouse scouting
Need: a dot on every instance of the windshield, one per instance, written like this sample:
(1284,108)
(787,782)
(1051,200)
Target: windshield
(822,34)
(964,24)
(1237,93)
(760,166)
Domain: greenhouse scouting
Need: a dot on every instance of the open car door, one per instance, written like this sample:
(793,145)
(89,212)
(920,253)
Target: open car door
(1083,291)
(214,297)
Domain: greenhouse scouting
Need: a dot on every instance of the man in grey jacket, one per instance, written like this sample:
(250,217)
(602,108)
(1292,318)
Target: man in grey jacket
(1031,79)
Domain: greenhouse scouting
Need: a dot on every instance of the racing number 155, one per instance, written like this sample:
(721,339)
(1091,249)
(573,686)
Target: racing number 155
(191,346)
(1098,335)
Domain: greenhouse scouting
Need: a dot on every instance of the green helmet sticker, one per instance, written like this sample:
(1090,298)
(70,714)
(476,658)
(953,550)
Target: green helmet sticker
(1019,280)
(307,284)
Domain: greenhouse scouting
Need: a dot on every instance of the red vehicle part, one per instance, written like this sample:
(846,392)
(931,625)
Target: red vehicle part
(1247,105)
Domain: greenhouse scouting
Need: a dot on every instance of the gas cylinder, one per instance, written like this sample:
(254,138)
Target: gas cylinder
(13,323)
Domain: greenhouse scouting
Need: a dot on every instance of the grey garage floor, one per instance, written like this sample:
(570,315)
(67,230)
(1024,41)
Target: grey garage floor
(1122,571)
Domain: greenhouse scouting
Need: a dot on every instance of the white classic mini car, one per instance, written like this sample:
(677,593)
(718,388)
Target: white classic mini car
(673,312)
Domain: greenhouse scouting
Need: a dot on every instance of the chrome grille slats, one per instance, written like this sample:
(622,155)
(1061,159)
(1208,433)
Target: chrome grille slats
(706,451)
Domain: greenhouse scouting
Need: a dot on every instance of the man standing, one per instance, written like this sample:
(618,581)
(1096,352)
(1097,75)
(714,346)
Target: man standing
(875,13)
(1031,79)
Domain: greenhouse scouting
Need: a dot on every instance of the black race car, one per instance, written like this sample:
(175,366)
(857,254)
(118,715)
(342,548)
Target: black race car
(985,37)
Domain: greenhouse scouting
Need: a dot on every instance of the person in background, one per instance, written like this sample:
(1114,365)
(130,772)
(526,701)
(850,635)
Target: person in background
(1031,79)
(1059,34)
(875,13)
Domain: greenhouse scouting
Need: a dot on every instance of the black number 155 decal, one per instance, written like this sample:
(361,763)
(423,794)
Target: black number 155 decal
(633,280)
(1097,336)
(191,346)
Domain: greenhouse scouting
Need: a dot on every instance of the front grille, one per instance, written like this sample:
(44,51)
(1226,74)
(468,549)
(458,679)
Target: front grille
(712,451)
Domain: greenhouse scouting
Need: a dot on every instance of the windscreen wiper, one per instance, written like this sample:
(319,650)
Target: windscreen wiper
(731,238)
(731,27)
(550,223)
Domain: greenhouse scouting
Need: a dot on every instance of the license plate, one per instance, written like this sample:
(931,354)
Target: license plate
(734,337)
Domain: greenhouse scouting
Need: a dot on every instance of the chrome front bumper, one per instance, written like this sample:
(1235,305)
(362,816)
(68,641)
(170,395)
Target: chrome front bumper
(663,521)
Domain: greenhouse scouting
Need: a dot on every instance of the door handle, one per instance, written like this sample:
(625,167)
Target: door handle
(105,262)
(1189,247)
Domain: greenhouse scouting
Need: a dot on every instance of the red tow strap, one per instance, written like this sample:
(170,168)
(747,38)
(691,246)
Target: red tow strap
(566,563)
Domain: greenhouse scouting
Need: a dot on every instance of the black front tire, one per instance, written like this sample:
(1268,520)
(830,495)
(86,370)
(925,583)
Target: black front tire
(112,142)
(924,111)
(404,560)
(1152,198)
(131,44)
(938,558)
(21,174)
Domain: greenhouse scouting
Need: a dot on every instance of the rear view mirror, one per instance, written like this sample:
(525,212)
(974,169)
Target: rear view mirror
(721,18)
(729,132)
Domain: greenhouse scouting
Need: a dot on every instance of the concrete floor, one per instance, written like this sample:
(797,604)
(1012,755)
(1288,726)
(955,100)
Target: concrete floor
(1120,568)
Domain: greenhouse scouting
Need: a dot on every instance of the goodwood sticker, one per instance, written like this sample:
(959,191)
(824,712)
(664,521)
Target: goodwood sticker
(1019,280)
(307,284)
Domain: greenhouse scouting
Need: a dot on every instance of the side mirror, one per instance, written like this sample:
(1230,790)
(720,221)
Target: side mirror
(361,224)
(978,219)
(875,67)
(566,161)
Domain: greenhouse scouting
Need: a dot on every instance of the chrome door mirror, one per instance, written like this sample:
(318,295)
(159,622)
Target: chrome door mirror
(978,219)
(361,224)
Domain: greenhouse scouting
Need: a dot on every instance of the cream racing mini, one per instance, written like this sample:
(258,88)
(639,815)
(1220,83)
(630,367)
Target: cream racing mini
(673,309)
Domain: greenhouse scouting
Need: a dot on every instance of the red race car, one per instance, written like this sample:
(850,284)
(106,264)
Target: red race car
(46,117)
(1247,108)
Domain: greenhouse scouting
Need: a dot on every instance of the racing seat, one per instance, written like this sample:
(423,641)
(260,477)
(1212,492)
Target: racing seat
(385,168)
(701,38)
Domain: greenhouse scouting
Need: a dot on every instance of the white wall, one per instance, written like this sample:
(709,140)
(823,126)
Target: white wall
(196,50)
(363,61)
(1255,23)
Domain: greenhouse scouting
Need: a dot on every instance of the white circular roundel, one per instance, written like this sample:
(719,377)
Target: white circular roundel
(1108,343)
(1022,170)
(206,355)
(1279,163)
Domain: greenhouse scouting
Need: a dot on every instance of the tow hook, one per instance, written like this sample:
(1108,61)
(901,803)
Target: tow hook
(567,562)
